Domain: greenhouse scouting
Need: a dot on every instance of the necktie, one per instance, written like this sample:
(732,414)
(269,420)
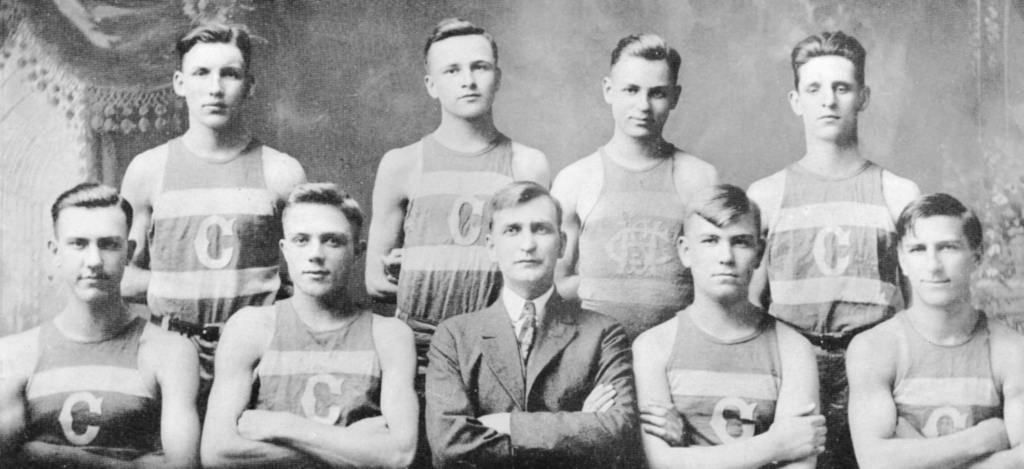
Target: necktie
(529,327)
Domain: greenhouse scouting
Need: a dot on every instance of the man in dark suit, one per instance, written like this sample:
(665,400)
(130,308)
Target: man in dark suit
(533,380)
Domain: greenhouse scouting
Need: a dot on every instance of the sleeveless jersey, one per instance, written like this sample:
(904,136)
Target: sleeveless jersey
(725,391)
(91,395)
(331,377)
(942,390)
(445,268)
(628,264)
(213,242)
(832,260)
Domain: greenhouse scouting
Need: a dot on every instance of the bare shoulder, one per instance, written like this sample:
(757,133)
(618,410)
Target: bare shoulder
(657,342)
(18,353)
(281,171)
(898,192)
(145,174)
(250,322)
(767,194)
(1007,343)
(397,166)
(530,164)
(572,179)
(164,344)
(693,170)
(875,348)
(391,329)
(792,340)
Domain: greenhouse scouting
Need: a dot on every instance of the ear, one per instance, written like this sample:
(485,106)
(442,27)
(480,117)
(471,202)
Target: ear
(360,248)
(901,257)
(865,97)
(794,102)
(178,83)
(428,81)
(250,83)
(280,244)
(674,99)
(564,239)
(130,251)
(761,246)
(683,248)
(497,78)
(492,253)
(52,246)
(606,88)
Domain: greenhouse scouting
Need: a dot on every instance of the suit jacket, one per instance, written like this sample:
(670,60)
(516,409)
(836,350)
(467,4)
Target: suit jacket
(475,370)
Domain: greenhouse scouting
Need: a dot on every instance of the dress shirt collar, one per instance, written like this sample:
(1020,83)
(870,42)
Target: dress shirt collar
(514,305)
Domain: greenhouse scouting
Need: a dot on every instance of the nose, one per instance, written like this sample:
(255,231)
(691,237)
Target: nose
(92,256)
(828,97)
(467,78)
(316,252)
(215,86)
(528,243)
(643,102)
(725,254)
(932,261)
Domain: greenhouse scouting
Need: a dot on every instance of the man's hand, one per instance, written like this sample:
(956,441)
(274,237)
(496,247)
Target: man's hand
(206,351)
(798,436)
(392,265)
(661,420)
(500,422)
(600,399)
(258,425)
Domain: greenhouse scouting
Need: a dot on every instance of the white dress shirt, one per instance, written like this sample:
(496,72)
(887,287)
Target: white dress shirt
(514,305)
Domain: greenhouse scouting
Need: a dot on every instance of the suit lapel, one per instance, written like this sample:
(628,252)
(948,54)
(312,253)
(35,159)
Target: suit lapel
(555,334)
(502,352)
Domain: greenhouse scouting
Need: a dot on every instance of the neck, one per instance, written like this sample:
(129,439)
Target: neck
(530,292)
(93,321)
(323,312)
(216,143)
(635,150)
(829,157)
(948,325)
(727,320)
(466,135)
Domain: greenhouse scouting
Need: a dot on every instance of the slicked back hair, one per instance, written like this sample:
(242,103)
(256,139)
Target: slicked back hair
(650,47)
(825,44)
(937,205)
(721,205)
(91,195)
(519,193)
(329,194)
(217,33)
(453,27)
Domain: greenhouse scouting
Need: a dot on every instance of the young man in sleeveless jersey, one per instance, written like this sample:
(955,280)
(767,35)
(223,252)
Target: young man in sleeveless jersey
(208,202)
(431,194)
(744,384)
(830,263)
(938,385)
(533,381)
(335,380)
(624,204)
(97,386)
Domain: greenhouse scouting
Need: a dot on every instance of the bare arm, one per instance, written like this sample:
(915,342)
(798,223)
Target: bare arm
(792,437)
(354,446)
(390,198)
(246,336)
(529,164)
(178,377)
(566,191)
(14,373)
(767,194)
(142,178)
(870,366)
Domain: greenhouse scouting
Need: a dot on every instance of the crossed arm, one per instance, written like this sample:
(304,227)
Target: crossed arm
(460,435)
(236,437)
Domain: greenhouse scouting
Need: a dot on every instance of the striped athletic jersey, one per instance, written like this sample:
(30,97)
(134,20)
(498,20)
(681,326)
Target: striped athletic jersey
(942,390)
(91,395)
(628,264)
(213,242)
(331,377)
(445,268)
(725,391)
(832,264)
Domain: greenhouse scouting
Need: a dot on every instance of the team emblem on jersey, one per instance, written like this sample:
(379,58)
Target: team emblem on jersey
(944,421)
(828,243)
(641,246)
(71,425)
(203,241)
(740,414)
(322,399)
(466,220)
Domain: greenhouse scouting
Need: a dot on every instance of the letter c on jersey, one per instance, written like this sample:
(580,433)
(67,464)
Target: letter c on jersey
(936,426)
(721,426)
(314,399)
(67,420)
(842,239)
(202,242)
(465,233)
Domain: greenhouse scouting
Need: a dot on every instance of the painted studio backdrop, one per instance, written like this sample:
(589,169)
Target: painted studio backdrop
(85,86)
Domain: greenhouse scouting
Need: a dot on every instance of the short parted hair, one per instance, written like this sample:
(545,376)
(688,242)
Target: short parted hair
(937,205)
(826,43)
(217,33)
(452,27)
(91,195)
(721,205)
(519,193)
(323,193)
(650,47)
